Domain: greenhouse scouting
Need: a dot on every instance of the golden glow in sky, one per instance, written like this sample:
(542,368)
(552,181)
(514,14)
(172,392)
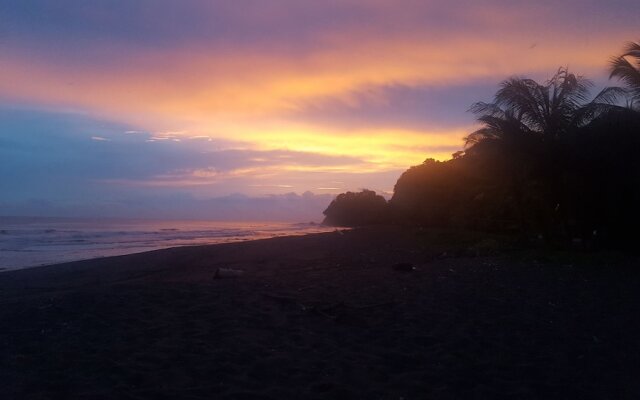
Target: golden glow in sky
(353,91)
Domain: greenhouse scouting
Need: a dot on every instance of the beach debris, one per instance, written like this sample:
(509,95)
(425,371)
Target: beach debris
(223,273)
(404,267)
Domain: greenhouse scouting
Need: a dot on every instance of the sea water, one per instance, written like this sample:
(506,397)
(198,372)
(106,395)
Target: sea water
(29,242)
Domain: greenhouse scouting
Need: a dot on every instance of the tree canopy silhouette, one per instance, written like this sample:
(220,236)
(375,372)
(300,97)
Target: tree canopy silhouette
(548,161)
(524,107)
(357,209)
(626,67)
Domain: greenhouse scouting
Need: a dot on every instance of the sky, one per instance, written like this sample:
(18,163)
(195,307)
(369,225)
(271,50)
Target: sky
(261,109)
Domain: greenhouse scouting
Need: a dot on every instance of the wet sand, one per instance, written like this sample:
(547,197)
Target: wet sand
(326,316)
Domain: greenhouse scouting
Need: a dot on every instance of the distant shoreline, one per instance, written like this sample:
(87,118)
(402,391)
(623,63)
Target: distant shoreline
(34,242)
(167,249)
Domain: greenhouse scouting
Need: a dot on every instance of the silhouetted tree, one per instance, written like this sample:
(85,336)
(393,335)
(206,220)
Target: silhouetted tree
(522,107)
(604,184)
(529,124)
(546,160)
(626,67)
(357,209)
(427,193)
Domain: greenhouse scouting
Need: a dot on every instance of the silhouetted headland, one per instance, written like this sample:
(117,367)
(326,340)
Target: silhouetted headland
(548,164)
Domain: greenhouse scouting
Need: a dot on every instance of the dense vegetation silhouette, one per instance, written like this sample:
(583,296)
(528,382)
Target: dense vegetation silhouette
(357,209)
(547,162)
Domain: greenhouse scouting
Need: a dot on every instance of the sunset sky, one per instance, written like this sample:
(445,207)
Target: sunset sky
(176,108)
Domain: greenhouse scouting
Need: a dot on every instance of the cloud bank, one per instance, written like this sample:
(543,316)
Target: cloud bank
(114,99)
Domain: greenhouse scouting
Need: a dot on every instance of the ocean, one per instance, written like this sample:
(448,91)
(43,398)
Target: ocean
(30,242)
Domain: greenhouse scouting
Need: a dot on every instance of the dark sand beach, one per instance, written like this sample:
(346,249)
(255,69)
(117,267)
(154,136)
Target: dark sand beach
(326,316)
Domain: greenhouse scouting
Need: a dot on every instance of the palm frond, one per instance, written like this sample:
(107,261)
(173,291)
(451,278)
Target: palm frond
(632,49)
(622,69)
(479,136)
(525,112)
(590,112)
(610,95)
(523,97)
(481,108)
(626,71)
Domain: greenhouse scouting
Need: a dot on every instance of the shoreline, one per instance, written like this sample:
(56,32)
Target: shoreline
(324,316)
(81,263)
(105,252)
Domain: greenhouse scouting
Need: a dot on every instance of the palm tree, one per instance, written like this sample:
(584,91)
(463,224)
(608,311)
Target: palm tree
(524,108)
(524,136)
(626,67)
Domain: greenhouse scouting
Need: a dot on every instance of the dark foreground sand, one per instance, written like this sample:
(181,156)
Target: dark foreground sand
(325,316)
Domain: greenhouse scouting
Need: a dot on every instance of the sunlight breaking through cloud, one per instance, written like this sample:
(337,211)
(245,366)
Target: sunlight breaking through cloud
(342,87)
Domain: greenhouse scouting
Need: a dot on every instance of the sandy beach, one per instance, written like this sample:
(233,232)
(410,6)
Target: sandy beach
(388,313)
